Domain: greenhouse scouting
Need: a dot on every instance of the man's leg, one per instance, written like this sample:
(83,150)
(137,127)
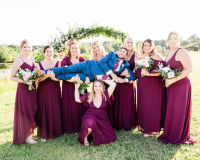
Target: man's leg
(66,73)
(70,75)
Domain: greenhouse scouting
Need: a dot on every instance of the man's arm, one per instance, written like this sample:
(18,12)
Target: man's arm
(132,77)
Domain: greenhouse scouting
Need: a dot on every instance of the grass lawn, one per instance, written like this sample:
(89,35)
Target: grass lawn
(129,144)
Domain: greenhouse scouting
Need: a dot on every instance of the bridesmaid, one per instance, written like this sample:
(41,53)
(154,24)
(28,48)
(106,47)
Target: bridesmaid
(26,100)
(179,103)
(95,121)
(150,106)
(98,52)
(71,110)
(125,93)
(49,99)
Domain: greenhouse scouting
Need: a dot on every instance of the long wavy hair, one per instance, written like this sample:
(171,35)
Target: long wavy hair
(151,42)
(125,41)
(92,93)
(94,55)
(69,50)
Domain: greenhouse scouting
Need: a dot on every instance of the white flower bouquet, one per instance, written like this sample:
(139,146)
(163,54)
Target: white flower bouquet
(167,72)
(26,75)
(145,63)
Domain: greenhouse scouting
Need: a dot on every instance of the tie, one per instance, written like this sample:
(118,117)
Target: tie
(116,65)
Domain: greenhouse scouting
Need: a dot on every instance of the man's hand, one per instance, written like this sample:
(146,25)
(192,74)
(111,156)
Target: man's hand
(125,73)
(120,80)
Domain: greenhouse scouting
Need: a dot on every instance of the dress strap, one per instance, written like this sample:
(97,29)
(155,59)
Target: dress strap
(21,59)
(56,65)
(41,67)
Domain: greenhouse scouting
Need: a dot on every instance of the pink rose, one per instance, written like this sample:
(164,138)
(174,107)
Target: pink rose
(26,77)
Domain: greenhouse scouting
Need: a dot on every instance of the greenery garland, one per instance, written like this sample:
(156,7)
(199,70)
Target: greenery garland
(61,43)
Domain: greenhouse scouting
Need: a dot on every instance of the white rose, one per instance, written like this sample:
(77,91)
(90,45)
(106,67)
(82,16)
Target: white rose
(165,69)
(171,75)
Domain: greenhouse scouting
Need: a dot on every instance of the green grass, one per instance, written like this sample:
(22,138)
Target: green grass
(129,144)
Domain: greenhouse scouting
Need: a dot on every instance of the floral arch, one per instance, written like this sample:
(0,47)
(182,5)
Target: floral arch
(61,43)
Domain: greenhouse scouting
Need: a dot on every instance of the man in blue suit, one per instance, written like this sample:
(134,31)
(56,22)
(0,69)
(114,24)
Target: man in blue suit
(112,65)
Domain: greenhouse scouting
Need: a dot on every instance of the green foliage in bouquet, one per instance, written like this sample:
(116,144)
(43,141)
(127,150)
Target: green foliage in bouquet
(82,88)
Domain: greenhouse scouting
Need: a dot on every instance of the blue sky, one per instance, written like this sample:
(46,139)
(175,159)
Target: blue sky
(37,20)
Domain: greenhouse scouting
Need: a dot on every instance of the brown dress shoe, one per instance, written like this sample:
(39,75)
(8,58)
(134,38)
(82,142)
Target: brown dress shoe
(41,76)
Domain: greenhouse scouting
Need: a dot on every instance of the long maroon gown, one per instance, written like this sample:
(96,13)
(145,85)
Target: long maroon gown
(25,110)
(49,108)
(125,103)
(72,111)
(150,101)
(97,120)
(178,110)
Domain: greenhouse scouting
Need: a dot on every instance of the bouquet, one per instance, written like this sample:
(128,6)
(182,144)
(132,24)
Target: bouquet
(167,72)
(145,63)
(26,75)
(82,88)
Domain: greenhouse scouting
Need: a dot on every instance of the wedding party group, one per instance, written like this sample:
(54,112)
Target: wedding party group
(128,89)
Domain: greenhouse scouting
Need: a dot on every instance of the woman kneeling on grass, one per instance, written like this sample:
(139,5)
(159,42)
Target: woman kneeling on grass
(95,121)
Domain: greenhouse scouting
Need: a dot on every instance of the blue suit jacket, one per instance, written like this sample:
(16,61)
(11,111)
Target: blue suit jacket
(108,62)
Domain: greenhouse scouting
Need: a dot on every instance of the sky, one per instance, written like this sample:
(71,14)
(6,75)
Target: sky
(37,20)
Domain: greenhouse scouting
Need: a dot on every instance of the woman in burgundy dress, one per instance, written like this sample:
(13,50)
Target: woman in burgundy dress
(49,99)
(179,103)
(26,100)
(150,93)
(95,121)
(125,93)
(98,52)
(71,110)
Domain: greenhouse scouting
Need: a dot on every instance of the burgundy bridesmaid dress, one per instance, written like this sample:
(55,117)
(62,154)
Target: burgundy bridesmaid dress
(25,110)
(110,111)
(150,101)
(72,111)
(49,108)
(125,103)
(97,120)
(178,109)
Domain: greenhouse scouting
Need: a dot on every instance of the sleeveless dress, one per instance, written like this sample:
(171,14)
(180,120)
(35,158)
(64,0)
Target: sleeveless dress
(72,111)
(49,108)
(125,115)
(25,110)
(97,120)
(178,109)
(150,101)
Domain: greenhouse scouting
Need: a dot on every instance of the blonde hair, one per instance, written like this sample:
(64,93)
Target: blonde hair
(176,33)
(69,50)
(151,42)
(94,55)
(125,41)
(92,93)
(24,42)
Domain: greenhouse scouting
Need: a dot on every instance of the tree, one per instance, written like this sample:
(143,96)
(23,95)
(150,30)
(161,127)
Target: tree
(193,38)
(159,49)
(85,48)
(139,45)
(4,53)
